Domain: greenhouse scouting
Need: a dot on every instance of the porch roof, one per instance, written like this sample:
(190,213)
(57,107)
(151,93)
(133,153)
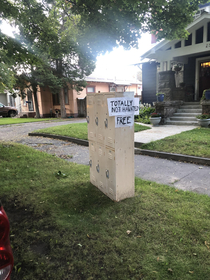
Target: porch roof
(159,50)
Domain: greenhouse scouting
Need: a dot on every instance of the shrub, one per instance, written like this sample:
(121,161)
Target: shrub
(144,114)
(155,115)
(203,116)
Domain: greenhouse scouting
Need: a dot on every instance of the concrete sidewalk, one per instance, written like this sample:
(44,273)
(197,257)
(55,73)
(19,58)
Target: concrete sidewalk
(159,132)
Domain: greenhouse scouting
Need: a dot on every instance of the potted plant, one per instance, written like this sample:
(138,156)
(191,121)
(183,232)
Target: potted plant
(160,96)
(155,119)
(177,68)
(203,120)
(206,94)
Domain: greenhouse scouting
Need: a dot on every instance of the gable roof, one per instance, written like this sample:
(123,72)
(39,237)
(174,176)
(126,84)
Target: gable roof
(164,44)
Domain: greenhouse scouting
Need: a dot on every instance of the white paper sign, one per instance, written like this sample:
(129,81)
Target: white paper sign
(122,121)
(120,106)
(136,104)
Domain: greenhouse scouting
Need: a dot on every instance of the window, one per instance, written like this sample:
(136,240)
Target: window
(112,89)
(24,98)
(120,89)
(208,31)
(199,36)
(56,100)
(188,42)
(90,89)
(66,97)
(178,45)
(24,101)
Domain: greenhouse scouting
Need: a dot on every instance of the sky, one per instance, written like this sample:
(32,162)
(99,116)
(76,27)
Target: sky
(117,64)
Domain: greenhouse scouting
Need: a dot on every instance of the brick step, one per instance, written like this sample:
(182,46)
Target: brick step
(191,107)
(198,111)
(182,122)
(191,103)
(185,114)
(175,118)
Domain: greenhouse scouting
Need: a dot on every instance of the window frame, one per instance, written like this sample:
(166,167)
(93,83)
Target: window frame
(94,88)
(199,35)
(55,99)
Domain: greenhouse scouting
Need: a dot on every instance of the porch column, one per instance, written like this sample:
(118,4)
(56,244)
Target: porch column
(162,66)
(205,33)
(168,65)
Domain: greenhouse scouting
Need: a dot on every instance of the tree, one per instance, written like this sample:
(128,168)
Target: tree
(7,77)
(63,38)
(51,36)
(107,23)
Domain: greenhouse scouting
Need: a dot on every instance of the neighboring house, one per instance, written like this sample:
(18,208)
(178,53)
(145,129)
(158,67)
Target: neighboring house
(180,68)
(110,84)
(8,100)
(49,103)
(75,102)
(3,98)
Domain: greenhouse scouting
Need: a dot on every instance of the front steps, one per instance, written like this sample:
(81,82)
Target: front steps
(186,115)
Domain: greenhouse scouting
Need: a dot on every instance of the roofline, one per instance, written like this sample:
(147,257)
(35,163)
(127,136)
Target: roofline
(201,17)
(153,49)
(125,83)
(165,41)
(204,5)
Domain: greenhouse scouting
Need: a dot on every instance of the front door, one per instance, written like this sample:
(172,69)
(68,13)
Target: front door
(204,77)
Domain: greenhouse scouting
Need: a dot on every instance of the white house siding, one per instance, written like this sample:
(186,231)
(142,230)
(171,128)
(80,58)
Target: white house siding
(3,98)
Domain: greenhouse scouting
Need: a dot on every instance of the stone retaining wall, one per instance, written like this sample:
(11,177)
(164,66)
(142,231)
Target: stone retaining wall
(167,109)
(205,106)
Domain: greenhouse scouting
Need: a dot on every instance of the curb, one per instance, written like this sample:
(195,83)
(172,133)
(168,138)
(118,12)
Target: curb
(60,137)
(176,157)
(137,150)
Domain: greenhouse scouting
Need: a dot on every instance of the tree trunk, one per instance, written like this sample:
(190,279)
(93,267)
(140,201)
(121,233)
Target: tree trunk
(36,101)
(62,103)
(61,93)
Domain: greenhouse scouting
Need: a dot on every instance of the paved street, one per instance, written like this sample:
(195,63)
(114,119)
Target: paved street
(181,175)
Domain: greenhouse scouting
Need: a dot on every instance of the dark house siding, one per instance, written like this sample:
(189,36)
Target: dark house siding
(149,79)
(189,72)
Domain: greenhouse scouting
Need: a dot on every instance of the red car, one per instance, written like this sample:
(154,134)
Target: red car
(7,111)
(6,256)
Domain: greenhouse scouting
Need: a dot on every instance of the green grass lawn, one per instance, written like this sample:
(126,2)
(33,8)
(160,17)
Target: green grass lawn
(4,121)
(195,142)
(79,130)
(62,227)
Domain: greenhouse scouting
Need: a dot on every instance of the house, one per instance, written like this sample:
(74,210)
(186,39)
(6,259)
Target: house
(75,102)
(9,100)
(180,68)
